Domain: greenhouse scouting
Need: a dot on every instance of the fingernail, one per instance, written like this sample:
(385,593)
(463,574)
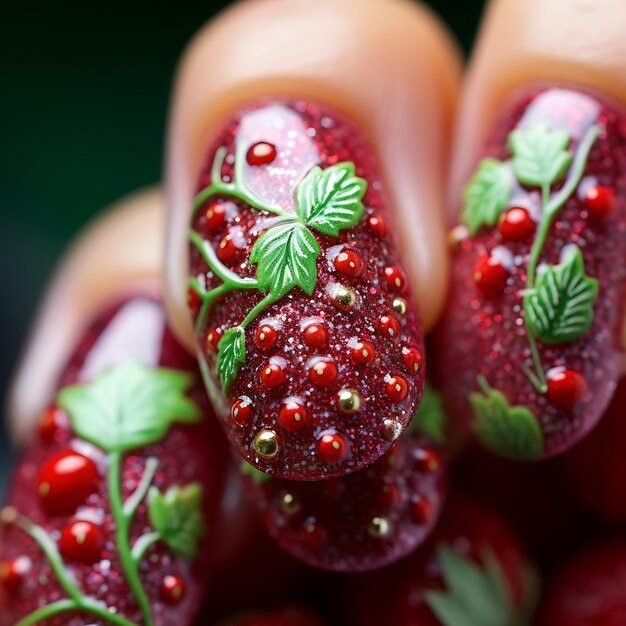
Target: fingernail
(111,501)
(310,341)
(528,346)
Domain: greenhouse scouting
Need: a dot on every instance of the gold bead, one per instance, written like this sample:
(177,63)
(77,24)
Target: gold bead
(289,505)
(8,515)
(456,236)
(344,298)
(348,401)
(391,429)
(399,305)
(266,444)
(378,527)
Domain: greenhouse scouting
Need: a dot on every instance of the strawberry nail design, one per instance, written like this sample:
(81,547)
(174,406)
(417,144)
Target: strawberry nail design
(472,571)
(299,282)
(527,347)
(366,519)
(104,522)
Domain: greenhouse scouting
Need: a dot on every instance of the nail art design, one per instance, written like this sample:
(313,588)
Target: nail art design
(366,519)
(308,336)
(529,338)
(102,519)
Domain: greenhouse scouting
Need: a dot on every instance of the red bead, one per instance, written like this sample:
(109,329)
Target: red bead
(241,411)
(173,589)
(421,510)
(272,375)
(413,359)
(194,301)
(363,353)
(377,225)
(215,216)
(265,337)
(316,336)
(516,224)
(227,251)
(261,153)
(490,276)
(395,278)
(389,326)
(213,337)
(396,388)
(52,420)
(292,416)
(313,534)
(12,573)
(323,373)
(82,542)
(65,481)
(566,388)
(426,461)
(388,495)
(332,448)
(600,201)
(349,263)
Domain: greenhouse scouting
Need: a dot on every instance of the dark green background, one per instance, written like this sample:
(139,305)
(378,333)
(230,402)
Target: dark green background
(84,101)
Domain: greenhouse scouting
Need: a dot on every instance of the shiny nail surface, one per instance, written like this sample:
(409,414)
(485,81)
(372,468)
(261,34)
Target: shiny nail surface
(528,353)
(295,290)
(112,499)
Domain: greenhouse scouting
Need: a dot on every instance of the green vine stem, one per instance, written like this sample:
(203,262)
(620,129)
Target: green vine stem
(123,519)
(550,205)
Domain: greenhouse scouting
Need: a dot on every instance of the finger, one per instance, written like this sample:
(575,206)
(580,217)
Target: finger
(328,275)
(537,292)
(122,481)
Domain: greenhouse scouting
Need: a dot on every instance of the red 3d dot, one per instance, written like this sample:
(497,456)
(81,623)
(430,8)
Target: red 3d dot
(363,353)
(426,461)
(396,388)
(82,542)
(316,336)
(272,375)
(566,388)
(313,534)
(173,589)
(349,263)
(421,510)
(193,300)
(241,411)
(388,495)
(323,373)
(389,326)
(213,337)
(12,573)
(215,216)
(261,153)
(265,337)
(413,359)
(65,481)
(490,276)
(52,420)
(600,202)
(377,225)
(394,277)
(516,224)
(292,416)
(332,447)
(227,251)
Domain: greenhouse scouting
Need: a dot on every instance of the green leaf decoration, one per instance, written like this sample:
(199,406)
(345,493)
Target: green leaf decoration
(540,155)
(431,417)
(286,257)
(257,476)
(474,594)
(129,407)
(560,306)
(231,353)
(331,199)
(511,431)
(486,195)
(178,518)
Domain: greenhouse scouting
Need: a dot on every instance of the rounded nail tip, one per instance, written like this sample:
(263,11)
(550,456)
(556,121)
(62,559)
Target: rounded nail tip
(130,409)
(529,340)
(297,292)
